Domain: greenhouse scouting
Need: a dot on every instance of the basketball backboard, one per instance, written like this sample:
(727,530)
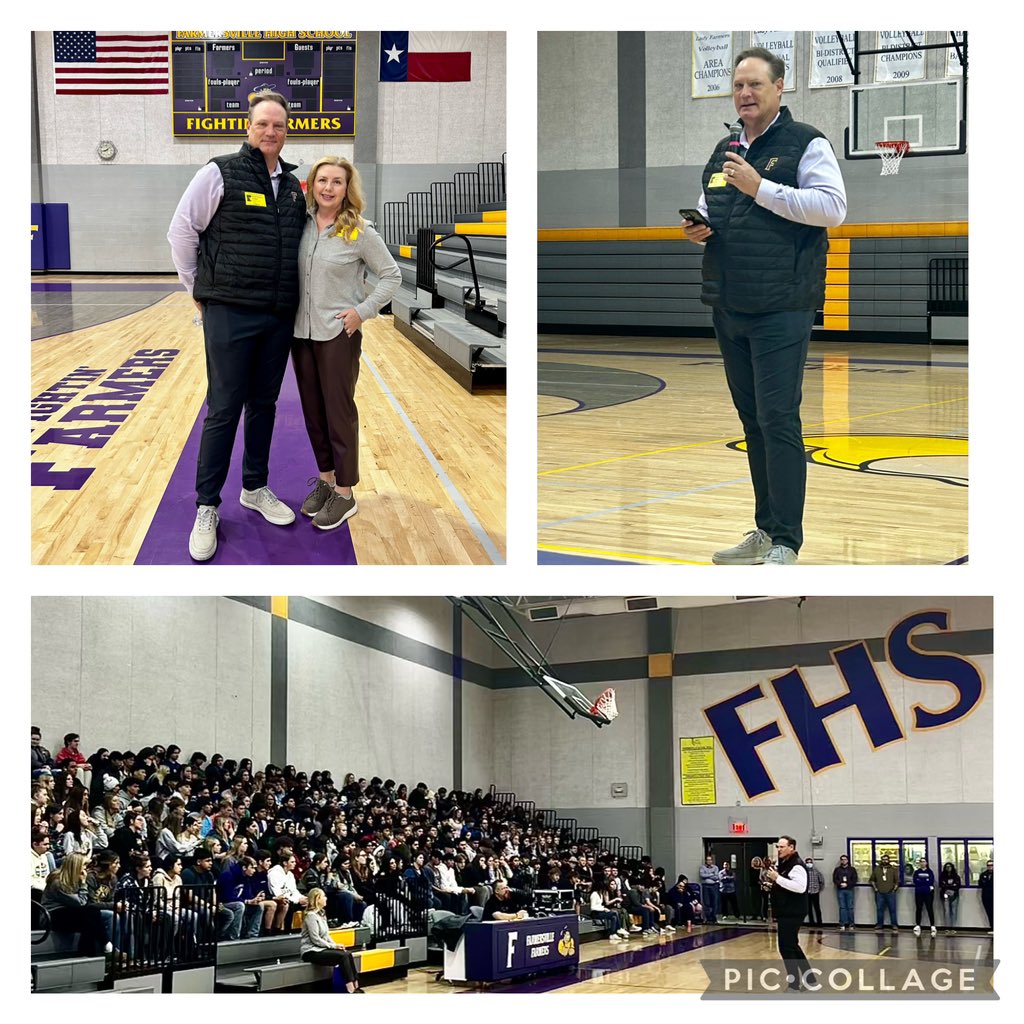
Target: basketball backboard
(930,113)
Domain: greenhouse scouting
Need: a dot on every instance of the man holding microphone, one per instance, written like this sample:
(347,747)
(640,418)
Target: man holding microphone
(770,191)
(789,902)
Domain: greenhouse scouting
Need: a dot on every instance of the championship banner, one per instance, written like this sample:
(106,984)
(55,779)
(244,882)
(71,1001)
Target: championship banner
(903,66)
(697,770)
(828,64)
(782,44)
(712,64)
(213,75)
(953,68)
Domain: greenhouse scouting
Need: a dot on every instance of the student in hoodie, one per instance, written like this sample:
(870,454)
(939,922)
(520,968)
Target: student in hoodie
(100,882)
(238,884)
(204,897)
(949,892)
(924,894)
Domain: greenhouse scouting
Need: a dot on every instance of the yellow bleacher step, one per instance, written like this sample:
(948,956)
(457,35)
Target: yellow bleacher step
(481,229)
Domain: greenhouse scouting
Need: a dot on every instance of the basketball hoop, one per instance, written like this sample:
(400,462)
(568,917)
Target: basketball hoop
(605,705)
(892,152)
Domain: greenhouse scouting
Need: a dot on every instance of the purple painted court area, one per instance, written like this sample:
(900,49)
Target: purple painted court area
(558,558)
(107,286)
(622,961)
(244,537)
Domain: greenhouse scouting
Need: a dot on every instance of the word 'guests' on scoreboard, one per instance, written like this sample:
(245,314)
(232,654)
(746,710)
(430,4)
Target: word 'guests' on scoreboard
(214,73)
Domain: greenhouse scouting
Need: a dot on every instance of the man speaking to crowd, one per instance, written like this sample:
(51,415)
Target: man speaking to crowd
(789,903)
(770,191)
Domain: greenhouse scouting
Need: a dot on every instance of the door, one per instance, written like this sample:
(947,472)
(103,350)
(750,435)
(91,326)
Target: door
(738,853)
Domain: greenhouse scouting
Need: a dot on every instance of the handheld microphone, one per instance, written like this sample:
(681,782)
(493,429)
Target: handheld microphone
(735,131)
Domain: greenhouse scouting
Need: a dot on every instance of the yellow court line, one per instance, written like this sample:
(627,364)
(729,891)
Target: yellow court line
(726,440)
(616,554)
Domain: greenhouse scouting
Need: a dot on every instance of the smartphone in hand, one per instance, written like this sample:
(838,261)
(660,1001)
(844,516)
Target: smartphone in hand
(696,216)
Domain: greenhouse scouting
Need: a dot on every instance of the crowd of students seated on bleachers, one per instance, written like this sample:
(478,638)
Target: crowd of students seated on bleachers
(121,827)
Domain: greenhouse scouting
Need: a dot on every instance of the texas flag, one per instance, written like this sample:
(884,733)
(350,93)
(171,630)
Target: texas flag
(425,57)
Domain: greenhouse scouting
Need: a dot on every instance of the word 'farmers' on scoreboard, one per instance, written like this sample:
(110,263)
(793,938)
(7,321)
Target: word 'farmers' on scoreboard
(214,74)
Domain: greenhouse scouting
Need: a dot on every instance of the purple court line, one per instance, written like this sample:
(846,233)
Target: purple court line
(244,536)
(622,961)
(107,286)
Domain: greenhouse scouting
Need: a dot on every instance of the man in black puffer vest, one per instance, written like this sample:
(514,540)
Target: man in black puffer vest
(789,904)
(770,191)
(235,244)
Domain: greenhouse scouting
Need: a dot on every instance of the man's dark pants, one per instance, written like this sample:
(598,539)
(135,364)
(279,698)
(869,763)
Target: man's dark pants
(790,951)
(246,356)
(764,356)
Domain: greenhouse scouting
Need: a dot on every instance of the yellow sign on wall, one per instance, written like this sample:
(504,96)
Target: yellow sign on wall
(697,770)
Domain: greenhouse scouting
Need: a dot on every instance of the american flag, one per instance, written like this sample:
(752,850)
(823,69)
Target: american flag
(110,63)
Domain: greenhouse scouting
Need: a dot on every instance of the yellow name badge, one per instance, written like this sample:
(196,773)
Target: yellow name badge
(717,180)
(255,199)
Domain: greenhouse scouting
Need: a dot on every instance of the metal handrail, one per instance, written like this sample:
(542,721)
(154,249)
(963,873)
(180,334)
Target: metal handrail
(477,306)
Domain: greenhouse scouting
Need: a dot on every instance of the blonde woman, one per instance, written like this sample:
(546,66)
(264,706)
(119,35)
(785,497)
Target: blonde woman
(336,249)
(317,946)
(66,900)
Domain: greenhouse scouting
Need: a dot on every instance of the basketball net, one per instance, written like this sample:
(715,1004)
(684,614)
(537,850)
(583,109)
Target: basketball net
(605,705)
(892,153)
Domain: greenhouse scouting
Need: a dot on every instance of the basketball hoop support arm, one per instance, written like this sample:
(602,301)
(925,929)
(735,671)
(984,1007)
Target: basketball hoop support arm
(520,649)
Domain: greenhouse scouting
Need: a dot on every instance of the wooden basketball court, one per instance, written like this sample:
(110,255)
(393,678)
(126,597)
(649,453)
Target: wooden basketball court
(673,963)
(118,388)
(641,453)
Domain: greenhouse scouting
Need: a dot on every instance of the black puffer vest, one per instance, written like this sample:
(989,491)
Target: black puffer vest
(249,254)
(756,261)
(784,902)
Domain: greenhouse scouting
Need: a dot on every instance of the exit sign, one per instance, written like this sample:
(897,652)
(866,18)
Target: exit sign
(738,827)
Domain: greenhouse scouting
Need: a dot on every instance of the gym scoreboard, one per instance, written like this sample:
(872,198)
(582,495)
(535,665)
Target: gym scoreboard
(213,75)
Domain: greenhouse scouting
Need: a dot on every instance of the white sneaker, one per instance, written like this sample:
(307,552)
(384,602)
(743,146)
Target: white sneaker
(267,504)
(623,933)
(779,554)
(634,929)
(614,938)
(202,541)
(750,551)
(669,928)
(917,929)
(934,932)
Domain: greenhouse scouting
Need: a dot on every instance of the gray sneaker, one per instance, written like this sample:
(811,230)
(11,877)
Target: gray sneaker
(750,551)
(779,555)
(266,503)
(317,498)
(202,541)
(335,511)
